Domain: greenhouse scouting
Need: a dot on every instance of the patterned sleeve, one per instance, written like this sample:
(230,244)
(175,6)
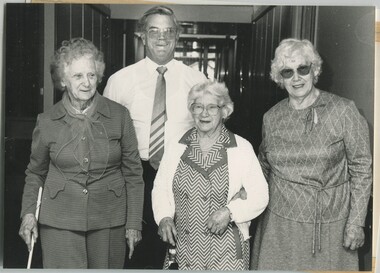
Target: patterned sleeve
(132,171)
(359,160)
(36,171)
(262,153)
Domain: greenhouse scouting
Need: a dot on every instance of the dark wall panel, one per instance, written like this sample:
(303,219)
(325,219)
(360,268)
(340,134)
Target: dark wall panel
(23,102)
(76,21)
(62,24)
(87,31)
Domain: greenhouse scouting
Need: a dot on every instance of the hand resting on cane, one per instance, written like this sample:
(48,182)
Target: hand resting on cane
(28,229)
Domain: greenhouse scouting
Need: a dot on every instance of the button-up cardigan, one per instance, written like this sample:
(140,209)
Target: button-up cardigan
(244,171)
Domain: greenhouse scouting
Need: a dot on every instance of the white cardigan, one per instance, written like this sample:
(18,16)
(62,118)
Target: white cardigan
(244,171)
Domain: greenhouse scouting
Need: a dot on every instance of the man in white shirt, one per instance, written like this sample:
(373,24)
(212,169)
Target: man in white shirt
(134,87)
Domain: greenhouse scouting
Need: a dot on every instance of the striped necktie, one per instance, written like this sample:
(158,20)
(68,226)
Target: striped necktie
(157,126)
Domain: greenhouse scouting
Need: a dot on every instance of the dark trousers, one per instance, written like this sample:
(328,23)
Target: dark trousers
(150,252)
(95,249)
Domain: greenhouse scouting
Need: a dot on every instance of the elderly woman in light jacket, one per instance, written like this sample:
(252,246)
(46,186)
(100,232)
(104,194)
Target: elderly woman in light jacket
(196,196)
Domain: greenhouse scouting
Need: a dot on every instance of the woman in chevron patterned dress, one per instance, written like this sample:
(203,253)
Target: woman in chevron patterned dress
(315,154)
(195,195)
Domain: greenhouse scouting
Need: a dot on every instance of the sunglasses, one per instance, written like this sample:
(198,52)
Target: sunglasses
(167,33)
(302,70)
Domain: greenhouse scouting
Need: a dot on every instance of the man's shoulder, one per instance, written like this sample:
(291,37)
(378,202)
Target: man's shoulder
(185,67)
(192,74)
(126,71)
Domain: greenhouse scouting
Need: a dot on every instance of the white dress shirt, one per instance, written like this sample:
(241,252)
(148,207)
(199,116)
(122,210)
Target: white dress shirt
(134,87)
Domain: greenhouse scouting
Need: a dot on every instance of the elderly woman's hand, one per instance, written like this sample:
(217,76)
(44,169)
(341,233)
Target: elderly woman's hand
(167,230)
(28,229)
(133,237)
(218,221)
(353,237)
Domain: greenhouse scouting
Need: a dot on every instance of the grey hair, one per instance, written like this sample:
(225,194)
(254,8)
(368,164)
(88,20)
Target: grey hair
(217,89)
(286,49)
(162,10)
(71,50)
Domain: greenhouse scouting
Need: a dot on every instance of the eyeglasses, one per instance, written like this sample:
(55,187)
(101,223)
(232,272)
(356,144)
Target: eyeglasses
(302,70)
(212,109)
(167,33)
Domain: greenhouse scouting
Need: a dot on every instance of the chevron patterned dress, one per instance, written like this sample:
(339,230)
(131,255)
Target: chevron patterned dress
(200,187)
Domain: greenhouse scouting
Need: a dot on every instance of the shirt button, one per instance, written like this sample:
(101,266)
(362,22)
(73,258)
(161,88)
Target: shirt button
(85,191)
(83,138)
(85,160)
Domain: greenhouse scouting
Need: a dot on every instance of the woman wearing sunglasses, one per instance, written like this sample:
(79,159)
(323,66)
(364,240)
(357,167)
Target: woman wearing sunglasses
(315,154)
(196,200)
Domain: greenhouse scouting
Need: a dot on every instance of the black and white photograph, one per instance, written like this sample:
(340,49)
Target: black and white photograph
(189,137)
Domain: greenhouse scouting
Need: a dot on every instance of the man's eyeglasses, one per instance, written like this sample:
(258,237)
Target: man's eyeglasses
(167,33)
(302,70)
(198,108)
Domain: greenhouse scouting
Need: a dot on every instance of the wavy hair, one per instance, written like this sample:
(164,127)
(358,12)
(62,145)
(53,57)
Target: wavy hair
(290,47)
(71,50)
(217,89)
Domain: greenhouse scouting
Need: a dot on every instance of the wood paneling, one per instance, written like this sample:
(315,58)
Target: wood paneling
(87,31)
(24,51)
(76,21)
(62,24)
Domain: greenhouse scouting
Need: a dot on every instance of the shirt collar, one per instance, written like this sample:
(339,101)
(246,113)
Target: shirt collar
(228,138)
(152,66)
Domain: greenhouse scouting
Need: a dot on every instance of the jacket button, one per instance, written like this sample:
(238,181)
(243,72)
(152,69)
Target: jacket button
(83,138)
(85,160)
(85,191)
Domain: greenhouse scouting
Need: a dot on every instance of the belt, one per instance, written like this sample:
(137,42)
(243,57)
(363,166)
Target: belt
(318,215)
(317,219)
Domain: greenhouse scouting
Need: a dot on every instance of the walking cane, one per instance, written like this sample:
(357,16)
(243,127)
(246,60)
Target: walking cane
(36,215)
